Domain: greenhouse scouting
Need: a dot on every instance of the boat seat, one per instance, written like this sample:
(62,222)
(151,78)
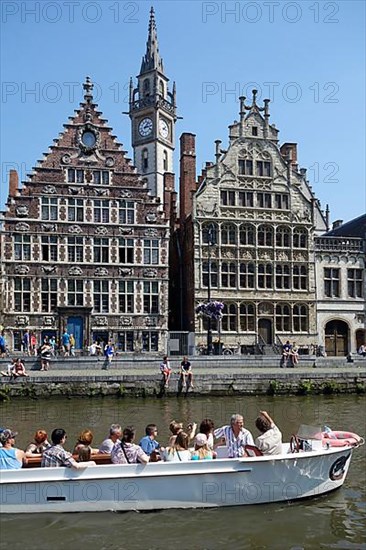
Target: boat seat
(252,450)
(99,458)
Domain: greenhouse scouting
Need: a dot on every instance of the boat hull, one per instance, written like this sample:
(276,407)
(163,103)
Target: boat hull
(195,484)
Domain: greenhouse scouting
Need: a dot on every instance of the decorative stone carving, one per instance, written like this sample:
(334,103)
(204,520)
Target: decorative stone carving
(126,230)
(48,321)
(151,232)
(101,271)
(75,229)
(109,161)
(22,211)
(125,321)
(66,159)
(49,268)
(150,273)
(49,189)
(265,309)
(151,322)
(21,269)
(101,230)
(102,192)
(75,271)
(74,190)
(151,217)
(21,226)
(124,193)
(247,255)
(49,227)
(125,271)
(22,320)
(101,321)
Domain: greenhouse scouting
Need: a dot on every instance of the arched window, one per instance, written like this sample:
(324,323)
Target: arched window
(228,275)
(146,87)
(265,277)
(247,318)
(283,318)
(165,160)
(282,276)
(300,318)
(265,235)
(228,234)
(145,160)
(247,234)
(209,268)
(246,276)
(300,238)
(283,236)
(229,318)
(299,277)
(161,88)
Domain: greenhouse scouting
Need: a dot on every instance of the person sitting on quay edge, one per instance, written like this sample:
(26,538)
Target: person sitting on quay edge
(125,451)
(270,440)
(85,439)
(178,452)
(9,368)
(11,458)
(56,455)
(115,433)
(19,369)
(39,445)
(165,370)
(148,443)
(362,350)
(286,354)
(236,436)
(201,450)
(186,372)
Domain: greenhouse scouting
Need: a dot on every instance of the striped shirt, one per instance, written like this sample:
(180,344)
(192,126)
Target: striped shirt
(57,456)
(235,445)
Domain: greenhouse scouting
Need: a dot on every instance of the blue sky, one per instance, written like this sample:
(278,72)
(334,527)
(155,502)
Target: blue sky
(307,57)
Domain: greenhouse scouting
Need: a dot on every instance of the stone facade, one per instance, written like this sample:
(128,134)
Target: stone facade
(84,245)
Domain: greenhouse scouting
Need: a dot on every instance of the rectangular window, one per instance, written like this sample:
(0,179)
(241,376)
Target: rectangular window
(355,283)
(150,341)
(299,277)
(246,278)
(246,198)
(126,297)
(79,176)
(75,293)
(282,276)
(49,208)
(126,212)
(126,341)
(281,201)
(263,168)
(75,211)
(101,211)
(151,297)
(125,251)
(101,250)
(101,296)
(264,200)
(101,176)
(254,131)
(331,282)
(265,276)
(151,251)
(75,249)
(22,247)
(228,198)
(71,175)
(209,269)
(49,249)
(49,295)
(228,275)
(245,167)
(22,293)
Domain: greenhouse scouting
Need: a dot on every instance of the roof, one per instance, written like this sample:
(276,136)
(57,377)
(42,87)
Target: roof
(353,228)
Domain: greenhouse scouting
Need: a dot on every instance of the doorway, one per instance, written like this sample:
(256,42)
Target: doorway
(360,338)
(336,338)
(265,330)
(75,326)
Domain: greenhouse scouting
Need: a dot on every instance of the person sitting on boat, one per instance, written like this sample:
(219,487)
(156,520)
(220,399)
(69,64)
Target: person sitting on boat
(179,451)
(84,453)
(207,427)
(85,439)
(115,433)
(235,436)
(201,449)
(125,451)
(270,440)
(177,427)
(39,445)
(56,455)
(148,443)
(186,372)
(11,458)
(165,370)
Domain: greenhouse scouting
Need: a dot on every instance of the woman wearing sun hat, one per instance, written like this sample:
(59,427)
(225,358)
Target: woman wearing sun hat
(201,450)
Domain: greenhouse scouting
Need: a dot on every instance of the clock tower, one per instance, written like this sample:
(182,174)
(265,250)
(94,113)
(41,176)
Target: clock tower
(153,115)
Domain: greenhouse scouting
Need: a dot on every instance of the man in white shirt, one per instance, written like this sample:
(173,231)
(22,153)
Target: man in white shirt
(115,433)
(236,436)
(270,440)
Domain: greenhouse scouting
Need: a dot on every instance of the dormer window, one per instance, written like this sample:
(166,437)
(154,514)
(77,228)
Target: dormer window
(254,131)
(245,167)
(263,168)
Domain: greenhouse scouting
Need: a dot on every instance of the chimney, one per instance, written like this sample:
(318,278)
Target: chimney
(13,183)
(187,182)
(289,152)
(337,224)
(168,192)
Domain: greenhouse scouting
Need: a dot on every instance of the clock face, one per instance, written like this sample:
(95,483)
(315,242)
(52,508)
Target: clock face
(88,138)
(145,127)
(163,128)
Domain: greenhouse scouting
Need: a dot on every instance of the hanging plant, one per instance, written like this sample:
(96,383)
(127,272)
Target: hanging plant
(210,309)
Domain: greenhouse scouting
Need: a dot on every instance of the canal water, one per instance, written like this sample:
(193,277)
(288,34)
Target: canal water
(334,521)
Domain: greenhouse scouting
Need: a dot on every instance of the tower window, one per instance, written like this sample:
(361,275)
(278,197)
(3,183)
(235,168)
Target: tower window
(146,87)
(145,160)
(161,88)
(254,131)
(165,161)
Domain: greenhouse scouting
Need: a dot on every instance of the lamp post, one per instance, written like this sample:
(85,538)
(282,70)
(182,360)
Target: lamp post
(210,242)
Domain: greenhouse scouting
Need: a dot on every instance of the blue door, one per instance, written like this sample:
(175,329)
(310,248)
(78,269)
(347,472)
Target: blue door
(75,326)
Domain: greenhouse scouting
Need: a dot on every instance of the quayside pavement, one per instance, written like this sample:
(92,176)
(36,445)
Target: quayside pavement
(216,375)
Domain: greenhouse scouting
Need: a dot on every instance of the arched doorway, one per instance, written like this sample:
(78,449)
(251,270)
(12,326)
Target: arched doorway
(265,330)
(336,338)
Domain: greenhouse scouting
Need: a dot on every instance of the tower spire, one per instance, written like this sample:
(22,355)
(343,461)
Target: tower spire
(152,60)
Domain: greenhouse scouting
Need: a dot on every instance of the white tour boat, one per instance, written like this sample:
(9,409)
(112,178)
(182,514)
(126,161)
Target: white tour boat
(319,469)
